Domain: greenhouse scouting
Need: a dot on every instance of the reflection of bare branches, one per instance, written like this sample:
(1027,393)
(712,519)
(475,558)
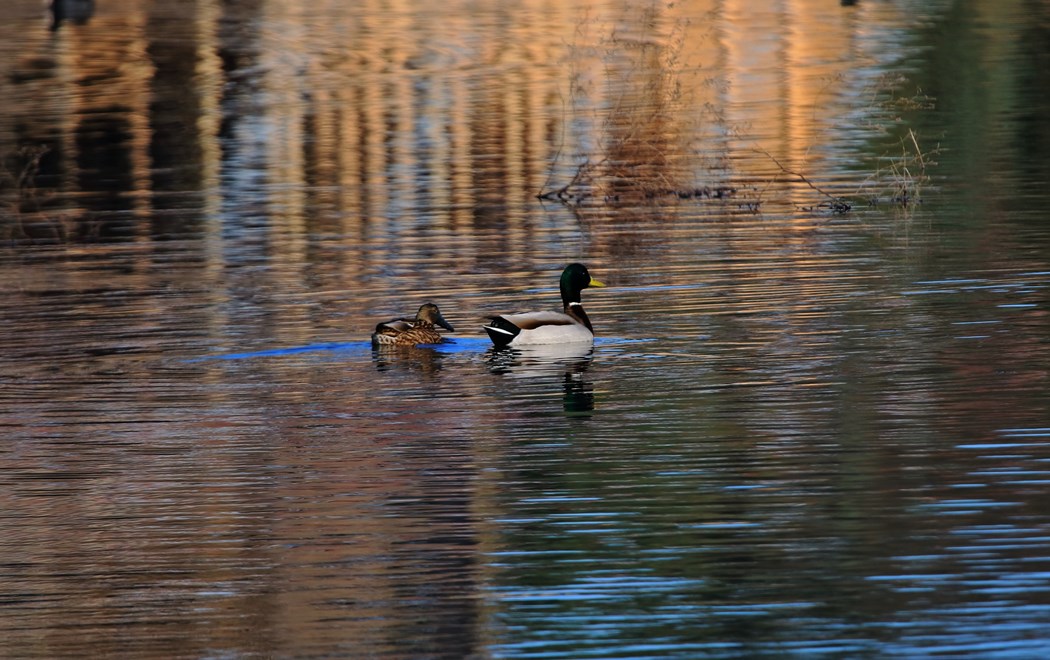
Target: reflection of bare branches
(646,140)
(906,174)
(897,178)
(836,204)
(20,171)
(901,180)
(583,172)
(19,194)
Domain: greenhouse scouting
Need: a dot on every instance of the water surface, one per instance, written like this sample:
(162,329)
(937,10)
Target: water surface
(803,429)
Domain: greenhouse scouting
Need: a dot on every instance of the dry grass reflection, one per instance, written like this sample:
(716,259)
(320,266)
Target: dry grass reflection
(648,107)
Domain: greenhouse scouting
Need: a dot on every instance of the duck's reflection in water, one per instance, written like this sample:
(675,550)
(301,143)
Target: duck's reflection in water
(570,361)
(579,394)
(420,359)
(77,12)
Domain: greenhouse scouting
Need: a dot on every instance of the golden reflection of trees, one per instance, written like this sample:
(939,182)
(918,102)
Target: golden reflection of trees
(645,146)
(640,104)
(358,124)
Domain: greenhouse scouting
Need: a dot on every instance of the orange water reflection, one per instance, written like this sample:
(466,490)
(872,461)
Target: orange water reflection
(228,176)
(360,112)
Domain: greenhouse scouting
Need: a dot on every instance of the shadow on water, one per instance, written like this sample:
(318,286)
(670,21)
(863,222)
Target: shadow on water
(565,363)
(540,360)
(424,358)
(569,361)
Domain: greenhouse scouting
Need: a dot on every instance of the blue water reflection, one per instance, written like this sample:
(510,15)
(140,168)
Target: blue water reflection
(342,347)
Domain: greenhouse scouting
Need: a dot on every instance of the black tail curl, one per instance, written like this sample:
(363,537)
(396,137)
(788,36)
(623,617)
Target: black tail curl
(501,331)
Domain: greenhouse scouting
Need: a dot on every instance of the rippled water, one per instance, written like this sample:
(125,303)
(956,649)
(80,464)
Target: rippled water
(799,432)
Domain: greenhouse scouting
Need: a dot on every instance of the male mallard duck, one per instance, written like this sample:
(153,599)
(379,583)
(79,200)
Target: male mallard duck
(405,332)
(569,325)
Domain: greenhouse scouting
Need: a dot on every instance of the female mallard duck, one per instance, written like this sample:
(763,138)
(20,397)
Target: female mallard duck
(405,332)
(569,325)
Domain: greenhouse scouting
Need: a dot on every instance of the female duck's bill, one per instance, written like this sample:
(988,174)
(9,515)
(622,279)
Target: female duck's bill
(569,325)
(409,332)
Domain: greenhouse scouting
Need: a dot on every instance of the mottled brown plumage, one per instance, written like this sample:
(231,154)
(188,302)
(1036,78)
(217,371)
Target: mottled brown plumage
(409,332)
